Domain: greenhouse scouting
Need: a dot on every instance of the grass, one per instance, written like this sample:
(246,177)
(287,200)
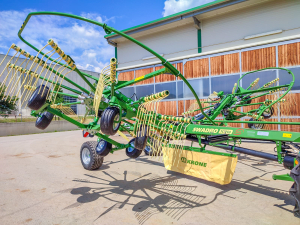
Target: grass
(33,119)
(14,120)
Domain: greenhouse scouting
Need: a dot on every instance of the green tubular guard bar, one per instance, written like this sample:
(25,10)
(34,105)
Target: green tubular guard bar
(109,30)
(240,90)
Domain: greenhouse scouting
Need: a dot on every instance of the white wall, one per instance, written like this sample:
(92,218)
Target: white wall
(218,31)
(172,43)
(229,29)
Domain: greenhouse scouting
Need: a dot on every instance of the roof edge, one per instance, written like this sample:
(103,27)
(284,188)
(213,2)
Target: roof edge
(168,17)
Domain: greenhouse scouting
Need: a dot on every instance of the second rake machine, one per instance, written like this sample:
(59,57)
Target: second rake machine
(36,81)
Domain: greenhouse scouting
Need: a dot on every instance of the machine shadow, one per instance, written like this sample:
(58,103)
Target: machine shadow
(171,197)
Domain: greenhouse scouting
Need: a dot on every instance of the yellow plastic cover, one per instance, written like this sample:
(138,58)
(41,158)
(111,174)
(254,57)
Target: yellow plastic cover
(211,167)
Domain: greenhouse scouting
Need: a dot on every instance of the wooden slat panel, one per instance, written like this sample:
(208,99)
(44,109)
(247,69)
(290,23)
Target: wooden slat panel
(180,108)
(168,108)
(225,64)
(258,59)
(126,76)
(289,55)
(292,128)
(196,68)
(234,124)
(180,67)
(164,77)
(142,72)
(271,126)
(291,105)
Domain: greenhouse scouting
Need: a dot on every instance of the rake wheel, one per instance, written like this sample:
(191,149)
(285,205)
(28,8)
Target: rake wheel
(38,97)
(256,126)
(141,138)
(109,121)
(103,148)
(131,151)
(268,113)
(44,121)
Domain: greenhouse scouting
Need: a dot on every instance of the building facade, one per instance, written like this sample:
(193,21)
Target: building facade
(213,46)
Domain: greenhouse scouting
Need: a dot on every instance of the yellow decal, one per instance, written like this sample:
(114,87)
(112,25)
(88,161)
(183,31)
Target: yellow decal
(287,135)
(296,162)
(139,78)
(223,131)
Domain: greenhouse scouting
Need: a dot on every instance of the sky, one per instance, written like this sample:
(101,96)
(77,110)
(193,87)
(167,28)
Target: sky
(82,41)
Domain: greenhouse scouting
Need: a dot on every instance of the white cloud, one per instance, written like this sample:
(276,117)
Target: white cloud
(175,6)
(98,17)
(84,42)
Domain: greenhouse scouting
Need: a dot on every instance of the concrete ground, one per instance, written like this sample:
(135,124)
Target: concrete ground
(42,181)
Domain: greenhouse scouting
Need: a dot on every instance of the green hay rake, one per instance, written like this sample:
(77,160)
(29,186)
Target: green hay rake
(37,79)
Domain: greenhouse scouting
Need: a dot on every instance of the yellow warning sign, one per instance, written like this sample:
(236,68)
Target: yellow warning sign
(286,135)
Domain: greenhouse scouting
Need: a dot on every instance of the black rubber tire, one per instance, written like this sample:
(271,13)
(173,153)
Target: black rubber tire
(255,126)
(268,113)
(105,149)
(44,121)
(96,161)
(107,121)
(141,138)
(295,189)
(133,152)
(38,97)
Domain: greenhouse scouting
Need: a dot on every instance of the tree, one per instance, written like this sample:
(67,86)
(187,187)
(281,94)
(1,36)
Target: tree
(7,103)
(59,98)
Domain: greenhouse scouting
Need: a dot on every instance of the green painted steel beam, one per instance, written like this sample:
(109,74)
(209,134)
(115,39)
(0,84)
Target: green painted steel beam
(70,103)
(256,122)
(90,76)
(69,119)
(285,177)
(67,79)
(194,149)
(85,79)
(235,132)
(119,145)
(65,94)
(62,86)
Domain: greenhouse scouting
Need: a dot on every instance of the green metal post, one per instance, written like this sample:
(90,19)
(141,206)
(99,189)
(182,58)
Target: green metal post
(199,41)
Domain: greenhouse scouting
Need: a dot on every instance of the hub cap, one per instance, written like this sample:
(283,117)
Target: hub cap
(131,148)
(116,120)
(86,156)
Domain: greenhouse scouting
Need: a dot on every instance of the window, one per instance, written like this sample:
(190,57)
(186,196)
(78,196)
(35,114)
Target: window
(68,99)
(180,89)
(171,87)
(286,78)
(201,87)
(128,92)
(144,90)
(264,76)
(224,83)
